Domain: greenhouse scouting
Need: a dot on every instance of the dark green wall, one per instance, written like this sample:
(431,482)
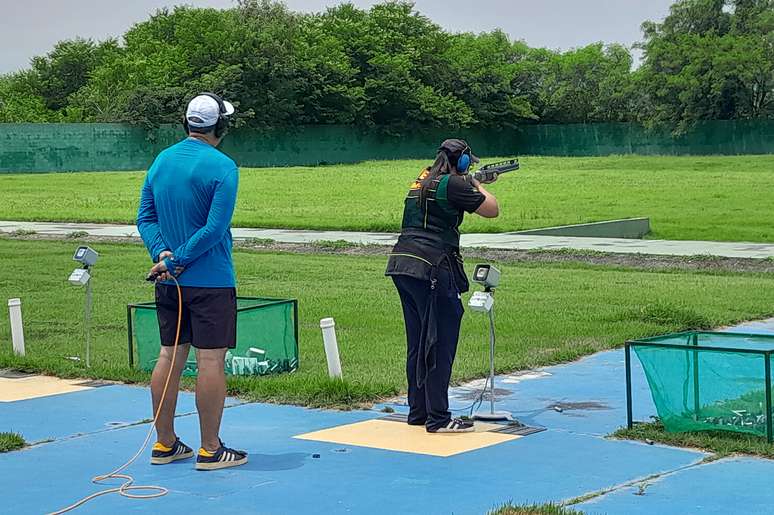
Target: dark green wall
(74,147)
(708,138)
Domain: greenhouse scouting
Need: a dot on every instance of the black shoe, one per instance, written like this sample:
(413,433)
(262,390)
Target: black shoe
(161,454)
(220,459)
(455,425)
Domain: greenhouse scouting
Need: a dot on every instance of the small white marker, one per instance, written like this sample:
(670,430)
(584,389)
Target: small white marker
(328,327)
(17,328)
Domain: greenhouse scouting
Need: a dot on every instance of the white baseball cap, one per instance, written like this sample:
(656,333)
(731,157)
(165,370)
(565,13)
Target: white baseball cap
(203,111)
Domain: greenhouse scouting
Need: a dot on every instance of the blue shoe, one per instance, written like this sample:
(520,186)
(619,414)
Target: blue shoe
(162,454)
(220,459)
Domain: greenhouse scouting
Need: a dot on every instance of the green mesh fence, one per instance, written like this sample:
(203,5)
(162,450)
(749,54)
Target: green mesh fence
(52,147)
(267,338)
(709,380)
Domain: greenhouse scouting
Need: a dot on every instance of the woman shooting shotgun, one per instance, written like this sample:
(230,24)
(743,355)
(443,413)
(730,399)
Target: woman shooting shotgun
(427,270)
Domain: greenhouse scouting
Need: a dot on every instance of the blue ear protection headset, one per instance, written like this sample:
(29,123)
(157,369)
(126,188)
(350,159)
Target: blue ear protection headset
(222,123)
(463,163)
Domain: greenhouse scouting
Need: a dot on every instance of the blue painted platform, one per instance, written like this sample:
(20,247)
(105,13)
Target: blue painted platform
(735,485)
(283,477)
(61,416)
(570,459)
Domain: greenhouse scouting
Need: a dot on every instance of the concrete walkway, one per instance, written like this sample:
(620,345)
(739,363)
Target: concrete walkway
(499,241)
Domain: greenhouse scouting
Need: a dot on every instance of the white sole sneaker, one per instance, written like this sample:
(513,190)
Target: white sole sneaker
(221,464)
(456,425)
(220,459)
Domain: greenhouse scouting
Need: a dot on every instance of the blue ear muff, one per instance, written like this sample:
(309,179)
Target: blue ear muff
(463,163)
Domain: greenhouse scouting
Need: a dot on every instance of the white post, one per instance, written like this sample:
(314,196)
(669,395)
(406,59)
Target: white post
(17,329)
(328,327)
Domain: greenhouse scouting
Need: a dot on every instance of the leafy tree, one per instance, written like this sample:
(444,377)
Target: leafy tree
(392,68)
(483,72)
(588,84)
(67,68)
(332,86)
(20,101)
(393,60)
(708,60)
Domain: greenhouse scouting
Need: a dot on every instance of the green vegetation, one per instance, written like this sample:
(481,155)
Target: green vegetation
(259,241)
(392,68)
(701,198)
(722,443)
(11,442)
(548,314)
(667,313)
(708,60)
(333,245)
(22,232)
(535,509)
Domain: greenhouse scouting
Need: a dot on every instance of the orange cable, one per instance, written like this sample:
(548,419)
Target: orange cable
(129,485)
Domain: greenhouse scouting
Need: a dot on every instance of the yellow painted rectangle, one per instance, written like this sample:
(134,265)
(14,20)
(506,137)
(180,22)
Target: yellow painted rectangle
(401,437)
(31,387)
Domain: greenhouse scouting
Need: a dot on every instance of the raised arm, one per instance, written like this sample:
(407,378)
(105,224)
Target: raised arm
(489,208)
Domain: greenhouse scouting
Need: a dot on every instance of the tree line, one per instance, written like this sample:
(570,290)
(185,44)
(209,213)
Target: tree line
(392,68)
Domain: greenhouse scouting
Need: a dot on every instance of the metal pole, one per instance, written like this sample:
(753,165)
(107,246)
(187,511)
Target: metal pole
(492,414)
(129,335)
(491,360)
(87,323)
(628,359)
(767,357)
(696,406)
(295,327)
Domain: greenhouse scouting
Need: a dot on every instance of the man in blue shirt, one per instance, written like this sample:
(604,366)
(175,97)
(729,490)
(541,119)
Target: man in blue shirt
(184,219)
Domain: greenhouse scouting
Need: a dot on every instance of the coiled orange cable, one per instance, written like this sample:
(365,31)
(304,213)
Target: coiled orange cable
(128,486)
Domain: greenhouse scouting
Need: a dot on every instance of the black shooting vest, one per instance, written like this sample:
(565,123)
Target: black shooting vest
(429,240)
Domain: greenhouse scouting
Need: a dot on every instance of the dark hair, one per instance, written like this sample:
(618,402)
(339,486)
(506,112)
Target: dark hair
(441,166)
(201,130)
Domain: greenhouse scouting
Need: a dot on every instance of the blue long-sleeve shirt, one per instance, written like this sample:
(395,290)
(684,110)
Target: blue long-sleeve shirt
(186,206)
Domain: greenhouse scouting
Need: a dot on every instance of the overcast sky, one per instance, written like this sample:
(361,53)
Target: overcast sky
(31,27)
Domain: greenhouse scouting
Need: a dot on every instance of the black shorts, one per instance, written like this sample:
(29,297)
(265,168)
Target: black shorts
(209,316)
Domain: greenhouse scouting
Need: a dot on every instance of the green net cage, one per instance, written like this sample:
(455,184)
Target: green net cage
(703,381)
(267,337)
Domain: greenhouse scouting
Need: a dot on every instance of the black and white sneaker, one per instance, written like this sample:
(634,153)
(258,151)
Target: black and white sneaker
(161,454)
(220,459)
(455,425)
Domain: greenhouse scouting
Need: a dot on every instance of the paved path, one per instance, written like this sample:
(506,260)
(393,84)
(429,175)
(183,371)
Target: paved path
(501,241)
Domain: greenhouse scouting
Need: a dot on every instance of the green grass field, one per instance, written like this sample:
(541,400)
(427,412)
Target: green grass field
(11,442)
(542,509)
(702,198)
(721,443)
(546,313)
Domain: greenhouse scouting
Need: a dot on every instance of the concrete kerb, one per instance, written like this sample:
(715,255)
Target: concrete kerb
(495,241)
